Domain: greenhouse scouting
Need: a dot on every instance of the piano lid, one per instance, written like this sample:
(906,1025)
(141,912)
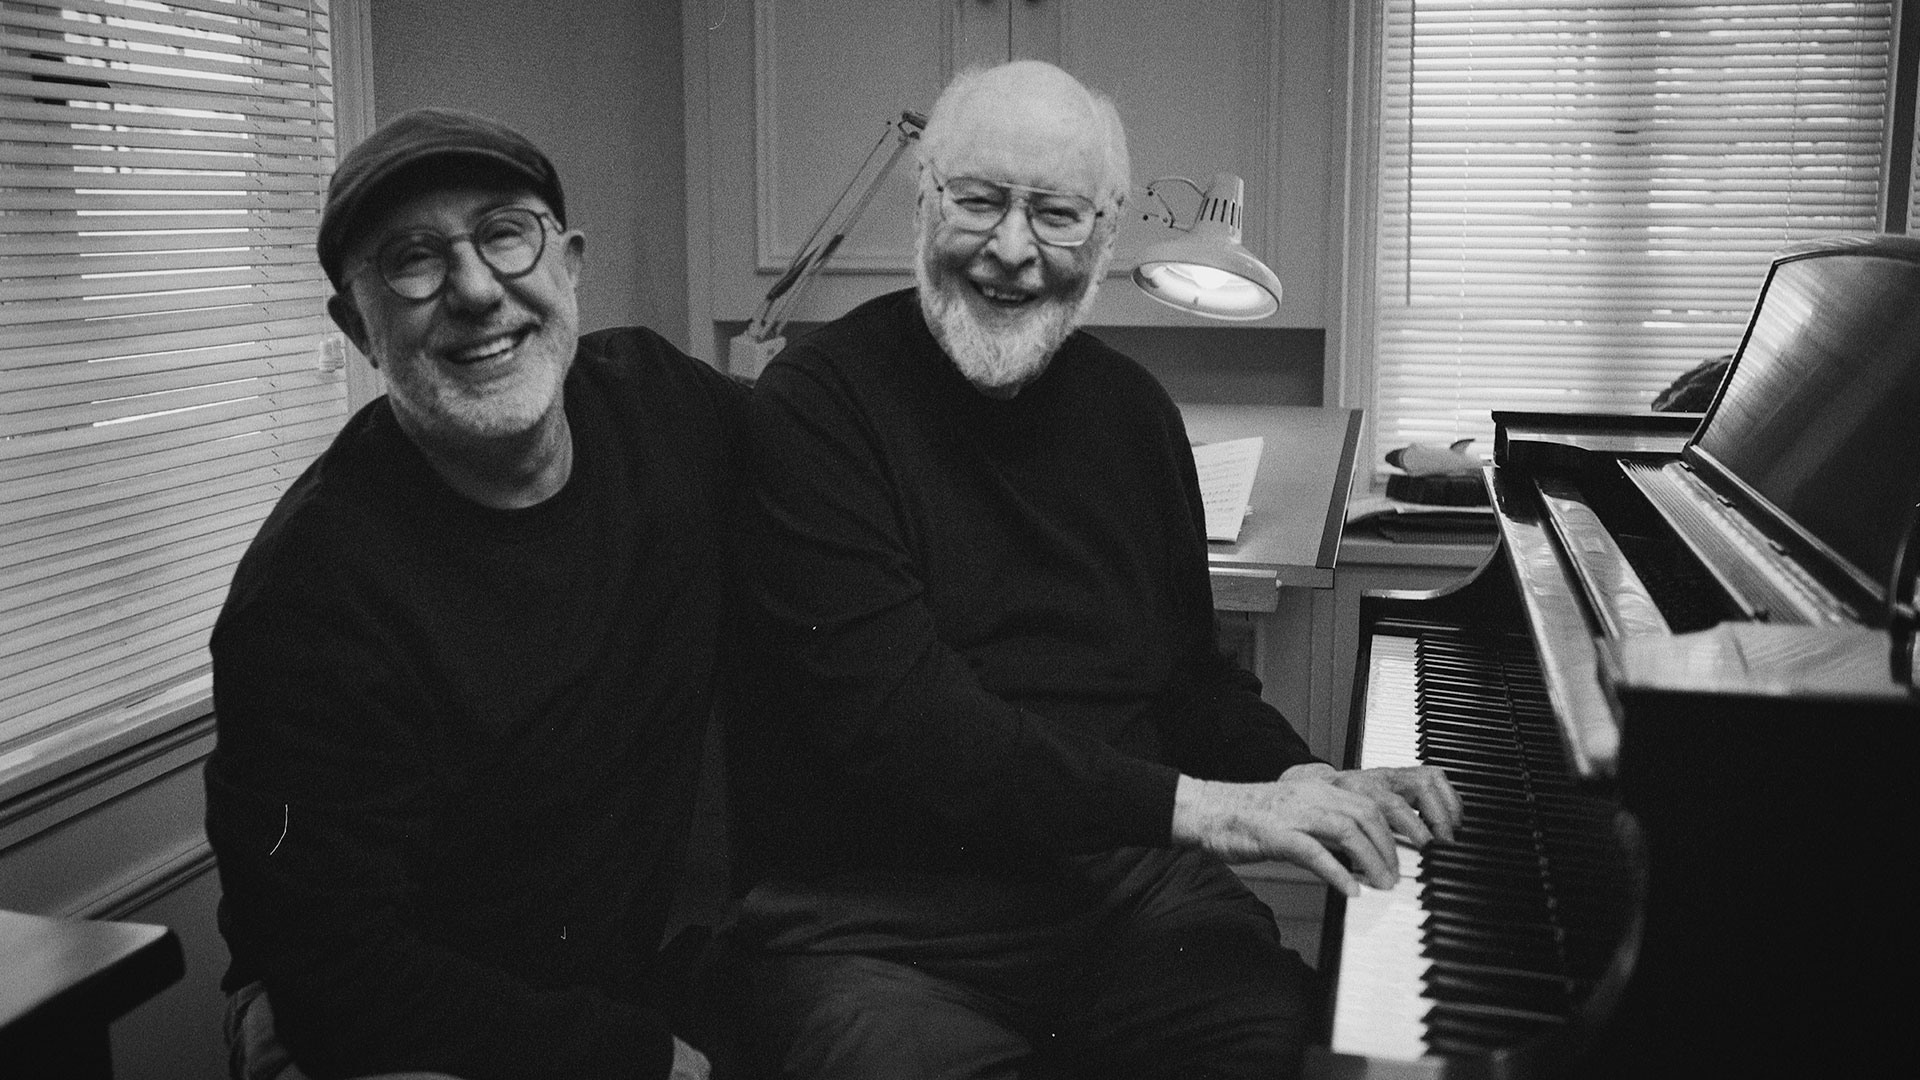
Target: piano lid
(1808,458)
(1816,426)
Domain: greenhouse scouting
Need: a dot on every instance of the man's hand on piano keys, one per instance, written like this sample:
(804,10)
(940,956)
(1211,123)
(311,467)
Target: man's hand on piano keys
(1419,801)
(1321,818)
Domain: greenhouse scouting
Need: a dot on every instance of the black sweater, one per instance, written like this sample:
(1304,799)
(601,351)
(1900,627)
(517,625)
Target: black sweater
(458,747)
(984,626)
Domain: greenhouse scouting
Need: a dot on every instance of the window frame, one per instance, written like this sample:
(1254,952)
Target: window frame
(53,757)
(1353,378)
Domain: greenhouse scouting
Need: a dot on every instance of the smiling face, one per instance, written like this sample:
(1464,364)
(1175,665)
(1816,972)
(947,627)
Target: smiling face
(1000,302)
(481,363)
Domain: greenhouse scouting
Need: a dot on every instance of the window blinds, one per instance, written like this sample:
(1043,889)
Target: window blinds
(1578,202)
(164,374)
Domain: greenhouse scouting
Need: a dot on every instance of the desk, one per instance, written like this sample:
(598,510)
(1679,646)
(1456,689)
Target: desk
(1280,571)
(1299,500)
(65,981)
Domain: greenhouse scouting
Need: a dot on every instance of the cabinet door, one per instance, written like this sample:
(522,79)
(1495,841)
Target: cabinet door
(985,31)
(828,79)
(1215,87)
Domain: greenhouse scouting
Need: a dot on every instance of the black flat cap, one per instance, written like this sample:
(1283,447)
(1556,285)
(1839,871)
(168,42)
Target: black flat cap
(466,144)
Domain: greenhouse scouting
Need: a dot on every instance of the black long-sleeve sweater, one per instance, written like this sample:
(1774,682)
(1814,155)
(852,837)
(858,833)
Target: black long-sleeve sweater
(458,747)
(984,626)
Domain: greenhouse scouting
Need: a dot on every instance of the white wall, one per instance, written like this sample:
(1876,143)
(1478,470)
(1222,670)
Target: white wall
(597,84)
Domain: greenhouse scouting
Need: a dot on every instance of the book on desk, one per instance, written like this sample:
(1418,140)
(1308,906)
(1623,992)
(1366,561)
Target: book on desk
(1227,470)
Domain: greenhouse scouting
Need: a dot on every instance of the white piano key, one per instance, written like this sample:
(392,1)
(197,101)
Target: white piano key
(1378,1002)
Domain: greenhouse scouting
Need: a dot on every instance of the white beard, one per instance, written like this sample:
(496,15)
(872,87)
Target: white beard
(1000,358)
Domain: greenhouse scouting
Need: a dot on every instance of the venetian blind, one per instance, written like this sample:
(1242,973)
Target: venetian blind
(167,363)
(1913,182)
(1578,202)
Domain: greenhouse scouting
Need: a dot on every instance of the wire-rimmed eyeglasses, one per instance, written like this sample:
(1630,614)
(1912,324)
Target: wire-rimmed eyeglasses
(1056,218)
(509,240)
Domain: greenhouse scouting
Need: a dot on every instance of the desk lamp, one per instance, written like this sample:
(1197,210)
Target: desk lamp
(1206,271)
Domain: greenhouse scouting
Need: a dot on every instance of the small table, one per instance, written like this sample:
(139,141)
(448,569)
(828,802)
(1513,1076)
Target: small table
(1291,537)
(64,981)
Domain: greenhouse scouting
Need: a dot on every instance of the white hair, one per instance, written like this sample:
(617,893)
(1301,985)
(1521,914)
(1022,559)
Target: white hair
(1110,132)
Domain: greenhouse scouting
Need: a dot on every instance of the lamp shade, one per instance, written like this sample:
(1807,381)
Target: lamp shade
(1205,270)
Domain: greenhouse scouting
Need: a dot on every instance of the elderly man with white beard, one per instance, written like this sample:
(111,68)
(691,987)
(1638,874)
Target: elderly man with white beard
(992,765)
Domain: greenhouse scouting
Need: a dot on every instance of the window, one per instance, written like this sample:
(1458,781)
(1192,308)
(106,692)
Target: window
(1913,182)
(168,366)
(1577,202)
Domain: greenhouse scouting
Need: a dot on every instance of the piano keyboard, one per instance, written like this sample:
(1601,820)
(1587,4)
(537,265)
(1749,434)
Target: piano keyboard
(1377,1005)
(1488,942)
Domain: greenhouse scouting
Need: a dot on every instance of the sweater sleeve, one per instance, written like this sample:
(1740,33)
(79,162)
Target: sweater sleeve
(317,805)
(1214,723)
(1218,727)
(839,601)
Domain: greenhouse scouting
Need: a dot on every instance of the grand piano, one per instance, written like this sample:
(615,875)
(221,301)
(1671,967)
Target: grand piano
(1678,700)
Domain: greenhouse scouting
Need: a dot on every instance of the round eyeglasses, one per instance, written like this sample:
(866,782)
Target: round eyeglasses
(509,241)
(1056,218)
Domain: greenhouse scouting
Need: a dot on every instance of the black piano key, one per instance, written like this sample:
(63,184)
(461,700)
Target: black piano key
(1477,789)
(1522,1019)
(1442,703)
(1488,741)
(1456,1029)
(1468,903)
(1502,972)
(1509,906)
(1494,899)
(1487,749)
(1529,934)
(1442,856)
(1541,764)
(1450,943)
(1480,766)
(1490,902)
(1488,865)
(1540,994)
(1443,708)
(1494,831)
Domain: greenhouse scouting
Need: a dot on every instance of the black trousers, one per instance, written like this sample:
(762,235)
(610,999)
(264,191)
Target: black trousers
(1176,971)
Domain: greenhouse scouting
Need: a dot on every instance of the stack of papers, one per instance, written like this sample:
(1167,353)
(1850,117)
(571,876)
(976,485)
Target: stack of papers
(1226,483)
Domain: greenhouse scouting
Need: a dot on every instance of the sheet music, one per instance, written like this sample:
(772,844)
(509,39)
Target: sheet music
(1226,483)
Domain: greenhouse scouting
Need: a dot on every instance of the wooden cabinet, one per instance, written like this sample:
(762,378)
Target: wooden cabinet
(786,98)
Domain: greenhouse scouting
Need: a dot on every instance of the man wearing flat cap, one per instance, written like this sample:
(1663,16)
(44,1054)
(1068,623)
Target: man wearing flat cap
(464,671)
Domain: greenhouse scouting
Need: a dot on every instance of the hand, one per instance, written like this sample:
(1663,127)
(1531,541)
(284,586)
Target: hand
(1419,802)
(1319,818)
(688,1063)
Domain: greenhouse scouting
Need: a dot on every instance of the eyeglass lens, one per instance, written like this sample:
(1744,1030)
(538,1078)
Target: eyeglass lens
(1058,219)
(509,240)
